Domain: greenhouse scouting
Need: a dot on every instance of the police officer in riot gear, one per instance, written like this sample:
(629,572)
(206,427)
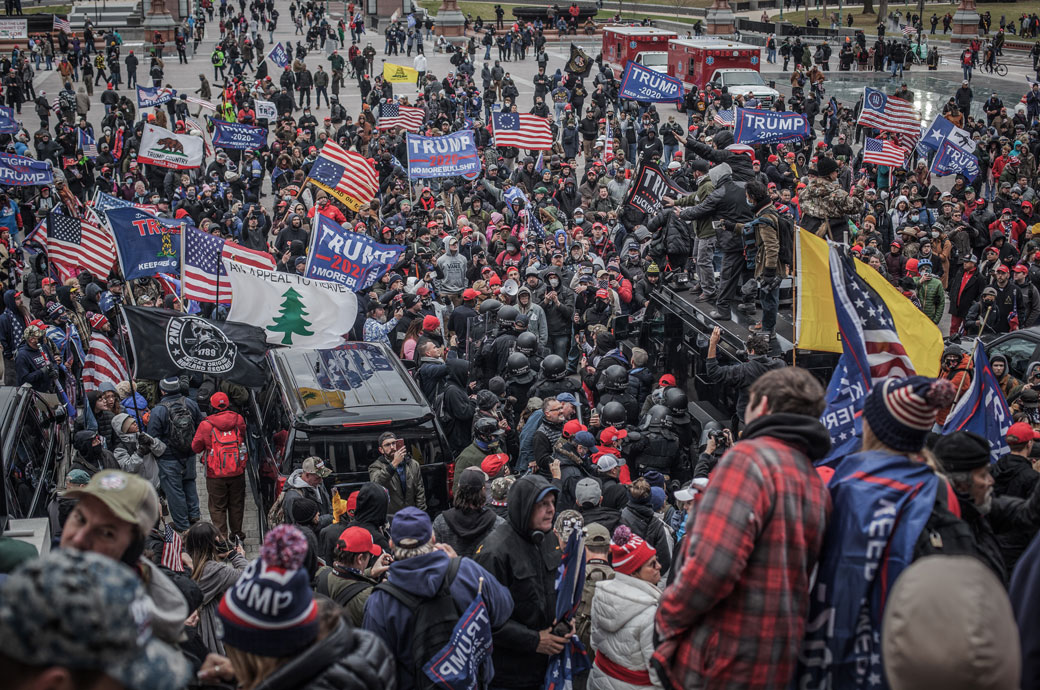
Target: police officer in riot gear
(504,344)
(614,387)
(527,343)
(553,380)
(519,379)
(482,334)
(658,446)
(679,415)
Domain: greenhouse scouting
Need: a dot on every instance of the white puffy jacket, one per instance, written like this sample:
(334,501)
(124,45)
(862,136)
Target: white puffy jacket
(623,612)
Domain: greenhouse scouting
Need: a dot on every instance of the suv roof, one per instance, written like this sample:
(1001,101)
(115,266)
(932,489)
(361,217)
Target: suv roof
(357,384)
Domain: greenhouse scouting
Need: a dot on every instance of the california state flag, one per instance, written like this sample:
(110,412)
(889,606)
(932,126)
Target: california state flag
(293,310)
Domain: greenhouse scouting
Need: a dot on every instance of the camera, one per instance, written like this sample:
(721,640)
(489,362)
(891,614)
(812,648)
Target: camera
(720,438)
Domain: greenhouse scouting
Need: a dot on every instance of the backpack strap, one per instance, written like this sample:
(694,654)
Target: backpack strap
(411,601)
(347,594)
(323,581)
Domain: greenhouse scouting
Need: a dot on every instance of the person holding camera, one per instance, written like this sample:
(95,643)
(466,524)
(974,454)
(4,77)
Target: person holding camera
(718,442)
(135,451)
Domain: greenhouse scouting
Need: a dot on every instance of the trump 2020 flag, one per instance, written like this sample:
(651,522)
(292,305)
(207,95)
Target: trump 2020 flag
(459,664)
(233,135)
(292,310)
(278,56)
(769,127)
(982,409)
(640,83)
(570,582)
(843,412)
(350,258)
(145,243)
(151,96)
(8,125)
(953,160)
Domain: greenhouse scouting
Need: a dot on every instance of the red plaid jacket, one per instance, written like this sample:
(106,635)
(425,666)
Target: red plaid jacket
(735,615)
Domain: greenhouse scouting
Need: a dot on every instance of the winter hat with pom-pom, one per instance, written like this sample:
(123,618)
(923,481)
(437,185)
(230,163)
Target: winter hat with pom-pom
(901,412)
(271,611)
(629,552)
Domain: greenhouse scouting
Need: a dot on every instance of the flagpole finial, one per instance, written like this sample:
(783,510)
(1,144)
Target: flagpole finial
(480,585)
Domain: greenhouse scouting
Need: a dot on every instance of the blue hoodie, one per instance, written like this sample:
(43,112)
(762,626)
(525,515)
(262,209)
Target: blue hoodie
(422,576)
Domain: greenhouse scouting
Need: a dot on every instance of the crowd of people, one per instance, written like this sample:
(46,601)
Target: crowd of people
(511,308)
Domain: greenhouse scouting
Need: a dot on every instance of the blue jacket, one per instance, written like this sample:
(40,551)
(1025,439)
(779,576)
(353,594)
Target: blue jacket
(159,422)
(422,576)
(526,441)
(12,323)
(31,367)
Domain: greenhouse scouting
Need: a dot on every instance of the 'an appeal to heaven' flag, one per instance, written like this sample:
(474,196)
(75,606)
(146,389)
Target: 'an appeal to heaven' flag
(350,258)
(73,244)
(165,341)
(20,171)
(146,243)
(651,185)
(883,152)
(446,156)
(103,364)
(278,56)
(396,115)
(204,277)
(939,131)
(641,83)
(521,130)
(769,127)
(8,125)
(168,150)
(399,74)
(816,322)
(347,175)
(232,135)
(953,160)
(982,409)
(292,310)
(149,97)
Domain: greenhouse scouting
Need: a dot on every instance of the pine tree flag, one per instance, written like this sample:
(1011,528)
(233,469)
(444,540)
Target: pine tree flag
(293,310)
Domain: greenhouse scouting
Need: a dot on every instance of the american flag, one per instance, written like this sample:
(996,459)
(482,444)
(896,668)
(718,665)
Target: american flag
(202,103)
(725,118)
(62,24)
(882,152)
(103,364)
(396,115)
(74,243)
(909,30)
(204,275)
(522,130)
(889,114)
(347,175)
(86,143)
(171,550)
(192,123)
(608,143)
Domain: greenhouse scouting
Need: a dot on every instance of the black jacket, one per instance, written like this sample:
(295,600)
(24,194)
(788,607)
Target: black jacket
(671,235)
(345,659)
(458,406)
(740,163)
(1008,517)
(526,563)
(728,201)
(640,518)
(741,375)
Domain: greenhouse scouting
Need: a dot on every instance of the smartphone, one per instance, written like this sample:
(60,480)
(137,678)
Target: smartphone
(399,445)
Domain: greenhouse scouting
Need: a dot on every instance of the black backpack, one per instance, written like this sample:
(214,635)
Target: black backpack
(433,621)
(182,427)
(345,595)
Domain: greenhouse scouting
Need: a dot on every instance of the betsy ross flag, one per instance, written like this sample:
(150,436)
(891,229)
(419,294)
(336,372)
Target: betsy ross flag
(348,176)
(521,130)
(103,364)
(87,143)
(889,114)
(725,118)
(62,24)
(396,115)
(171,550)
(204,277)
(882,152)
(72,243)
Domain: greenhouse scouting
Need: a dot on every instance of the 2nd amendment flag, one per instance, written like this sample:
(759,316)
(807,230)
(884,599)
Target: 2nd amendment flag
(399,74)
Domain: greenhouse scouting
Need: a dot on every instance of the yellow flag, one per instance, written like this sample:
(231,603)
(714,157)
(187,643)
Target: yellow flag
(399,73)
(816,322)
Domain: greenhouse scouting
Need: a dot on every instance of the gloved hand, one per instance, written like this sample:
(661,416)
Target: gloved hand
(729,225)
(144,441)
(52,371)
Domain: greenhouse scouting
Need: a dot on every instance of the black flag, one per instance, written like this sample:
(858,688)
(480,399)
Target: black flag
(166,343)
(580,64)
(650,186)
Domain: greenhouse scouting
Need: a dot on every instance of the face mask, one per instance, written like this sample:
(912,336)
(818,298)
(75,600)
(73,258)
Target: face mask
(553,282)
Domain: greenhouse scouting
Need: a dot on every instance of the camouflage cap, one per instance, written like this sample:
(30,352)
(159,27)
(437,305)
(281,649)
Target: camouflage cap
(80,610)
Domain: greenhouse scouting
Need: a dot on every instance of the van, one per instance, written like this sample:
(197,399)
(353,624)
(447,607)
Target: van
(335,404)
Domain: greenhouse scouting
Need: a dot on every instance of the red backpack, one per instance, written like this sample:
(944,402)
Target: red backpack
(227,454)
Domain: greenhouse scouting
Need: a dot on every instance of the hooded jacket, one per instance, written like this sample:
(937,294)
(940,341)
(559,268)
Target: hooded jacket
(225,420)
(12,323)
(623,612)
(90,458)
(739,163)
(537,323)
(369,513)
(526,563)
(422,576)
(451,270)
(641,518)
(134,456)
(458,407)
(728,200)
(296,488)
(465,530)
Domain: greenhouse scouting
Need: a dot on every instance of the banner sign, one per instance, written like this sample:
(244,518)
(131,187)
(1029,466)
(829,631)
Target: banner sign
(149,97)
(939,131)
(769,127)
(652,184)
(445,156)
(458,664)
(165,149)
(953,160)
(265,110)
(145,243)
(14,29)
(8,125)
(232,135)
(348,258)
(278,56)
(641,83)
(24,172)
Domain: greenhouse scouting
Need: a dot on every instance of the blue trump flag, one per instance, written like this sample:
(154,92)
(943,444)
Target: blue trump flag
(953,160)
(146,244)
(232,135)
(149,97)
(348,258)
(458,665)
(570,581)
(8,125)
(843,412)
(20,171)
(106,202)
(278,56)
(769,127)
(939,131)
(444,156)
(982,409)
(640,83)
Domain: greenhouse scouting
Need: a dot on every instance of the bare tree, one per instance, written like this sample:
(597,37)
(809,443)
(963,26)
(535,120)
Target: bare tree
(868,7)
(882,10)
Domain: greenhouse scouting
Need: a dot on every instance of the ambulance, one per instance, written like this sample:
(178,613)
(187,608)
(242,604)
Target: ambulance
(699,61)
(645,45)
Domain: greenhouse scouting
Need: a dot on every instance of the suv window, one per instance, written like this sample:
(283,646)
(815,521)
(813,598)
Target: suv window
(28,461)
(353,452)
(1020,352)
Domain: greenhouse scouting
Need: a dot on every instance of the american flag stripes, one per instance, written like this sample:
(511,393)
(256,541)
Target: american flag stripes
(396,115)
(171,549)
(103,364)
(889,114)
(194,124)
(204,277)
(202,103)
(608,143)
(87,143)
(725,118)
(908,30)
(347,175)
(521,130)
(62,24)
(73,243)
(882,152)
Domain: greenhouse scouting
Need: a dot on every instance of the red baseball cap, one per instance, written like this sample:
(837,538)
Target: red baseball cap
(602,293)
(1020,268)
(358,540)
(611,434)
(470,293)
(666,380)
(430,323)
(572,427)
(219,401)
(423,291)
(48,281)
(1021,432)
(1002,269)
(493,464)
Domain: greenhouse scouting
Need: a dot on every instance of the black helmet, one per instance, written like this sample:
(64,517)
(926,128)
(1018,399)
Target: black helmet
(486,400)
(553,367)
(527,342)
(486,428)
(658,416)
(676,401)
(613,414)
(490,306)
(615,378)
(518,368)
(508,314)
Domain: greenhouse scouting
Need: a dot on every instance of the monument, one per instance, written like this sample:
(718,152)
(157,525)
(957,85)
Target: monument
(449,20)
(719,19)
(158,19)
(965,23)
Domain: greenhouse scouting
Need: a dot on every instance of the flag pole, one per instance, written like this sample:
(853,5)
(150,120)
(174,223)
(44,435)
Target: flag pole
(184,242)
(978,340)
